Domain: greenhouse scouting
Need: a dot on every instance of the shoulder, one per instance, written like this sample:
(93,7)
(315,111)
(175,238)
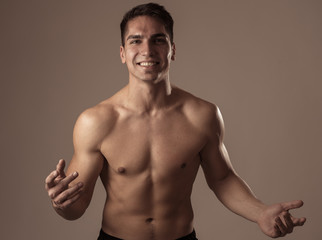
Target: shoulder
(96,117)
(204,115)
(101,114)
(95,123)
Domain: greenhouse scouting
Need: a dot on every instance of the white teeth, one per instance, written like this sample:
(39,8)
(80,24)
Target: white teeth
(147,63)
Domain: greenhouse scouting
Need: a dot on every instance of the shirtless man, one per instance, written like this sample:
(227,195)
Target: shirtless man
(147,142)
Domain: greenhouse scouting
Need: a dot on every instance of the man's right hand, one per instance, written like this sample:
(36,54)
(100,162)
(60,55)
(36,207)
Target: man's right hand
(61,193)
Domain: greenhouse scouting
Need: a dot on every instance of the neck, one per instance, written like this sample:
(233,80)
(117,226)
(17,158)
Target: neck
(148,97)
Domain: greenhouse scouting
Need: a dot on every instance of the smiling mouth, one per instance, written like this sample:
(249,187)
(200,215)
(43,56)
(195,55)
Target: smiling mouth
(147,64)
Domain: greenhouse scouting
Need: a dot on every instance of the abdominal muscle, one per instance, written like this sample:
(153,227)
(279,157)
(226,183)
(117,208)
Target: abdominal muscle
(149,205)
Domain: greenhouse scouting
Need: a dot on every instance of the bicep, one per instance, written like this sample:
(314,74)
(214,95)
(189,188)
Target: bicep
(88,165)
(215,159)
(87,159)
(215,163)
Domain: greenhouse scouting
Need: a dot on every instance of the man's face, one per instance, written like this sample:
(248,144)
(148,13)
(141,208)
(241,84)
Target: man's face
(147,51)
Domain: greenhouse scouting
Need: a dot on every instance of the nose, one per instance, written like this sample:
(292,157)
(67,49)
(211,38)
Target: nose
(147,49)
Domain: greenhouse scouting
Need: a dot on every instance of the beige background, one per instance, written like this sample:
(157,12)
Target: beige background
(260,61)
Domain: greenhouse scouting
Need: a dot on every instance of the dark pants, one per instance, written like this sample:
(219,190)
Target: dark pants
(105,236)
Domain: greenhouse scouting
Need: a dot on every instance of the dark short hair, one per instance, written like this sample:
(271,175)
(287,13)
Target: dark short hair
(150,9)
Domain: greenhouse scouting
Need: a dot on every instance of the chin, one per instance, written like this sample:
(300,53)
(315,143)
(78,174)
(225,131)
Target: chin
(152,79)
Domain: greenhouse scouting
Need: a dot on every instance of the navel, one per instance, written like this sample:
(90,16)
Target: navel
(149,220)
(183,165)
(121,170)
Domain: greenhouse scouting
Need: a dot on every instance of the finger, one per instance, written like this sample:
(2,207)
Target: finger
(74,198)
(60,168)
(68,194)
(292,205)
(281,226)
(288,222)
(277,233)
(68,202)
(50,180)
(71,177)
(298,221)
(62,185)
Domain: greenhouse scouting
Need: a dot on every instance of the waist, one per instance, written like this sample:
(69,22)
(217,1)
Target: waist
(148,226)
(104,236)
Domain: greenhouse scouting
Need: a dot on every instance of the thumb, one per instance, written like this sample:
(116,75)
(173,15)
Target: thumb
(292,205)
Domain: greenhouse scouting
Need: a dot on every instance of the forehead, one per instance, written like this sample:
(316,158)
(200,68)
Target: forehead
(145,25)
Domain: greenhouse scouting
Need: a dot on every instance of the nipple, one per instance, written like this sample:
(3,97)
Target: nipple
(121,170)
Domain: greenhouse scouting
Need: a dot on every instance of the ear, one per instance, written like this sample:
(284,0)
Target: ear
(122,54)
(173,52)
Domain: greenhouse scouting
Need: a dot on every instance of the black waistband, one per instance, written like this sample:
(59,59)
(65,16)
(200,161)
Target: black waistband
(191,236)
(105,236)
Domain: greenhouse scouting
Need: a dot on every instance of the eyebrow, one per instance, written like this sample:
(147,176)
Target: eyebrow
(159,35)
(134,37)
(138,36)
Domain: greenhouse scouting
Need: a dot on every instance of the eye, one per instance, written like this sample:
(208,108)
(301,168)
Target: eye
(136,41)
(160,40)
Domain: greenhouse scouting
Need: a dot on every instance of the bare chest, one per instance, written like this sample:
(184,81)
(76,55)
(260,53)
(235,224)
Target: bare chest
(165,144)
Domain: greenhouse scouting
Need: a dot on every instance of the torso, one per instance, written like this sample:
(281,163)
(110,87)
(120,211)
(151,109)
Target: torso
(151,164)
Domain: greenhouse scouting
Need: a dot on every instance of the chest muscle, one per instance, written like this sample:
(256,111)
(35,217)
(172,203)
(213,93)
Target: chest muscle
(164,144)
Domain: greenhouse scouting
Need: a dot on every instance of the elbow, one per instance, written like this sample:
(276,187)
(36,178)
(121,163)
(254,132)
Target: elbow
(73,218)
(71,213)
(70,216)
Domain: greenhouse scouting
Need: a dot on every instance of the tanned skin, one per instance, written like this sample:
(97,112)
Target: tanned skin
(146,143)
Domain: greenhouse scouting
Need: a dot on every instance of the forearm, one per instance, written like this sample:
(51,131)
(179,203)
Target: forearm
(236,195)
